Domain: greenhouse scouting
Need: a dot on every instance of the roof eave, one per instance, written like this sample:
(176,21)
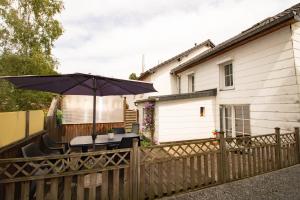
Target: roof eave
(276,24)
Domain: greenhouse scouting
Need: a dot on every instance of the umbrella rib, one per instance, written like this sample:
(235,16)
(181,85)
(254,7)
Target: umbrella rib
(123,88)
(78,83)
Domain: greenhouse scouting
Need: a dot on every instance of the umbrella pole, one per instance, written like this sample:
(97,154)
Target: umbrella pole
(94,135)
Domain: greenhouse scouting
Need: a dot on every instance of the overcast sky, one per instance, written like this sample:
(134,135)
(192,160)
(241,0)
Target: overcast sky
(109,37)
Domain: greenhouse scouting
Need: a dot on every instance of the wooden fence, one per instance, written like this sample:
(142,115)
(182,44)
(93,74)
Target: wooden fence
(69,131)
(147,172)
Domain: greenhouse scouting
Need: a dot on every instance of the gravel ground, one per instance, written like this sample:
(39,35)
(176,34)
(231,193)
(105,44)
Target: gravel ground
(282,184)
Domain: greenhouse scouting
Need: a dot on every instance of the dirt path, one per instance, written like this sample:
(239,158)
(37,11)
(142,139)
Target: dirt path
(282,184)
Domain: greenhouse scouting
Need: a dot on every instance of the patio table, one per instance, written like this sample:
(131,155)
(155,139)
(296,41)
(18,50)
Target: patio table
(85,141)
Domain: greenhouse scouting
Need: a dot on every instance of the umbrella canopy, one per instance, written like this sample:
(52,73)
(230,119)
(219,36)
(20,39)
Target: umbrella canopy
(81,84)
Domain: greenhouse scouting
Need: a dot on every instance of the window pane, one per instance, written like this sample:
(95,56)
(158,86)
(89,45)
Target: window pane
(239,127)
(246,110)
(247,127)
(238,112)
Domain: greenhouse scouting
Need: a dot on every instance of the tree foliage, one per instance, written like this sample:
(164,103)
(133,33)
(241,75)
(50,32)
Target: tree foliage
(28,29)
(133,76)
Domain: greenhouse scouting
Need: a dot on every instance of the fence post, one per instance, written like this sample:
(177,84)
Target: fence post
(297,144)
(278,147)
(135,170)
(223,164)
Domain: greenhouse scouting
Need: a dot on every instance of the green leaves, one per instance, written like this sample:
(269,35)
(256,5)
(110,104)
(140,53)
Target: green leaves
(30,25)
(28,29)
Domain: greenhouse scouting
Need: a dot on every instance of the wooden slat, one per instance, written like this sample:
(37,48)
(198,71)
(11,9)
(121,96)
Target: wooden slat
(212,164)
(54,189)
(40,185)
(234,165)
(160,179)
(206,175)
(92,186)
(178,176)
(80,187)
(142,182)
(67,187)
(151,182)
(199,171)
(268,158)
(184,174)
(239,164)
(249,162)
(116,184)
(264,158)
(25,190)
(254,154)
(170,177)
(259,164)
(244,172)
(192,172)
(104,186)
(9,191)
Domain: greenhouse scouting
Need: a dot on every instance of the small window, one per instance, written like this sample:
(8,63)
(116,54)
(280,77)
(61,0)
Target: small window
(202,111)
(226,74)
(191,83)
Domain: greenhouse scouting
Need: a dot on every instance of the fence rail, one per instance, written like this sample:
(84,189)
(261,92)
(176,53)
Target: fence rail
(147,172)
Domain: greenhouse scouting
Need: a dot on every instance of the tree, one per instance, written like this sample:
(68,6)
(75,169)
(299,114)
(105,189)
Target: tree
(28,30)
(28,26)
(133,76)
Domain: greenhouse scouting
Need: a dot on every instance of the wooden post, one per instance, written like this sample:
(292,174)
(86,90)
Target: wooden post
(223,164)
(27,123)
(278,147)
(135,171)
(124,110)
(297,144)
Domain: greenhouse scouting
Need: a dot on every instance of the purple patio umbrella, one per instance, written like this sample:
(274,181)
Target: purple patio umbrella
(81,84)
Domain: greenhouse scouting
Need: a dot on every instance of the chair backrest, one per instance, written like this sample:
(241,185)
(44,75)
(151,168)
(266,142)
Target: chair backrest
(32,150)
(126,142)
(48,141)
(135,128)
(118,130)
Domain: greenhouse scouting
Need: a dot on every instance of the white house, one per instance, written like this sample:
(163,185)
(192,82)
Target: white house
(249,84)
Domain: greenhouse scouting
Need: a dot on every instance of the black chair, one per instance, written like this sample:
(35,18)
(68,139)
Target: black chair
(118,130)
(32,150)
(127,142)
(135,128)
(51,146)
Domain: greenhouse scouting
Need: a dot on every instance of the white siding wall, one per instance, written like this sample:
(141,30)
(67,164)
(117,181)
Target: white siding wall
(180,119)
(264,77)
(163,81)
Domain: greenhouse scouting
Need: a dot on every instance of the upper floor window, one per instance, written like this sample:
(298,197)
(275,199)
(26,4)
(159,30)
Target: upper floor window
(226,76)
(191,83)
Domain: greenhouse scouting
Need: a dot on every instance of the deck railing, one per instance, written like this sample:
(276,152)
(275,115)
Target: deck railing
(147,172)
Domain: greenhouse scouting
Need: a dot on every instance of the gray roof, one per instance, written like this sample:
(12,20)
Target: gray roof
(153,69)
(204,93)
(288,16)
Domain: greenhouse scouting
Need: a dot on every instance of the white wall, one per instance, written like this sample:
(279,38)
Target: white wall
(163,81)
(264,77)
(180,119)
